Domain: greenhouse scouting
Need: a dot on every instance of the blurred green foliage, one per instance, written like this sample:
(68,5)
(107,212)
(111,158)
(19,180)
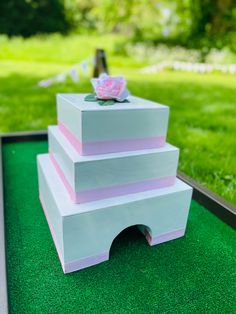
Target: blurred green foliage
(195,24)
(29,17)
(191,23)
(213,24)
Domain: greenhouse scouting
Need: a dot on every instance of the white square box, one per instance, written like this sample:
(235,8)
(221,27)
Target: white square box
(93,129)
(89,178)
(83,233)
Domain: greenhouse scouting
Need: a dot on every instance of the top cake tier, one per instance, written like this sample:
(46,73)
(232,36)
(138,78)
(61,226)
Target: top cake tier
(94,129)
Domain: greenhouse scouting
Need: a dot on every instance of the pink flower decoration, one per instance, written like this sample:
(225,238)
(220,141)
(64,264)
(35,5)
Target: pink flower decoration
(107,87)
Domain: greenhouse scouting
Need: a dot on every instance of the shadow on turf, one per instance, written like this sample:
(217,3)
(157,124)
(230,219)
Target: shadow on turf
(125,239)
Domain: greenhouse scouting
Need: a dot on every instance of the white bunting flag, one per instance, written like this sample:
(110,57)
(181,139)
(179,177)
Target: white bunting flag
(60,77)
(84,67)
(45,83)
(74,75)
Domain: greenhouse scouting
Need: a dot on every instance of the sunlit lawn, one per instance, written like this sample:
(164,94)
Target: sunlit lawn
(203,107)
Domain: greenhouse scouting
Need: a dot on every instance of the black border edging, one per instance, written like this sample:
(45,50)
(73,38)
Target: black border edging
(214,203)
(24,136)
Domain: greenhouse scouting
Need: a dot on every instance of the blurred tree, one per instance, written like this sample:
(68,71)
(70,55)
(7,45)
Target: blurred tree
(213,23)
(136,18)
(191,23)
(28,17)
(198,24)
(78,14)
(152,21)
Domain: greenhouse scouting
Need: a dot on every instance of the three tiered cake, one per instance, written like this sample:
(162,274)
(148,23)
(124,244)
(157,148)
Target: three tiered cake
(109,168)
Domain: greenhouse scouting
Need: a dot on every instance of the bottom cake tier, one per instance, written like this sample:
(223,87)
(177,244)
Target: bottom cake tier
(83,233)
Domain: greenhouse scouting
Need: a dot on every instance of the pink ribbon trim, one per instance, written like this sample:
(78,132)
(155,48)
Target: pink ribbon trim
(165,237)
(106,147)
(86,262)
(108,192)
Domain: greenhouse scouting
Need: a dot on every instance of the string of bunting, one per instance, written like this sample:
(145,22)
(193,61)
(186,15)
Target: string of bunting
(190,67)
(73,73)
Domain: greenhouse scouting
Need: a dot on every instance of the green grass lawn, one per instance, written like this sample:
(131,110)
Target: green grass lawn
(203,107)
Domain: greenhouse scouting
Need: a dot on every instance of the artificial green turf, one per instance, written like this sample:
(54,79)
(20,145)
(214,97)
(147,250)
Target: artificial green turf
(193,274)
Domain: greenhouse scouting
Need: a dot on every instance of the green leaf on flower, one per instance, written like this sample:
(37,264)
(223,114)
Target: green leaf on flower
(109,102)
(90,97)
(101,102)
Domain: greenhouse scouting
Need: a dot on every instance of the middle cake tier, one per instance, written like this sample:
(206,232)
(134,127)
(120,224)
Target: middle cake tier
(90,178)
